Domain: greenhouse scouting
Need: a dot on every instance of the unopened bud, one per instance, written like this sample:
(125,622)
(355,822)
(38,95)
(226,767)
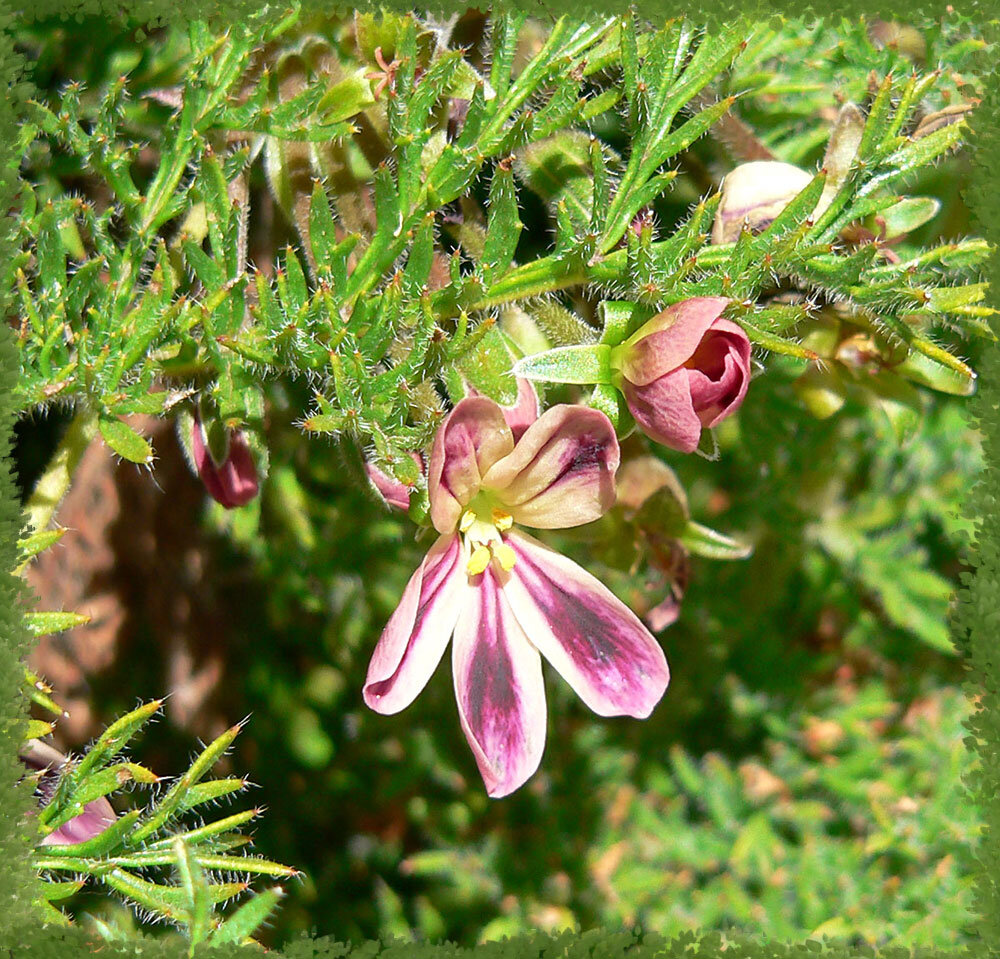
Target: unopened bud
(753,194)
(229,473)
(687,369)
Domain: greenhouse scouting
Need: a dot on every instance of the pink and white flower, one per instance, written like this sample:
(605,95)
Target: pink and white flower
(506,599)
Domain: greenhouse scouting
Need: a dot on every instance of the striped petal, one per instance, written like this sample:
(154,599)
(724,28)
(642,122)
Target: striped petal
(470,440)
(414,639)
(499,689)
(595,642)
(561,473)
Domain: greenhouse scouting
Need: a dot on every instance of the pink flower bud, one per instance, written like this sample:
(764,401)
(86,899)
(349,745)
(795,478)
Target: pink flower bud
(395,493)
(686,369)
(233,481)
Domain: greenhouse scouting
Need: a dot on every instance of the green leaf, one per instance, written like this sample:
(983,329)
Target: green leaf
(921,369)
(171,803)
(487,366)
(125,441)
(503,224)
(45,624)
(246,920)
(568,364)
(54,891)
(706,542)
(32,545)
(909,214)
(194,884)
(113,740)
(211,791)
(105,842)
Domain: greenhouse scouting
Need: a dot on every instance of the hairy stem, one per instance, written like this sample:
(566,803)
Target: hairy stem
(54,483)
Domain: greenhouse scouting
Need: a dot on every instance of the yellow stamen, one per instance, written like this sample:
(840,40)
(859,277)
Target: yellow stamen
(505,555)
(479,560)
(465,523)
(502,521)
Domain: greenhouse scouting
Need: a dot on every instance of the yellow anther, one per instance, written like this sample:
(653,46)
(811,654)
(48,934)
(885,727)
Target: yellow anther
(502,521)
(465,523)
(505,555)
(479,560)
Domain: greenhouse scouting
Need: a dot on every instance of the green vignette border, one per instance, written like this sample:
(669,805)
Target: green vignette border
(975,621)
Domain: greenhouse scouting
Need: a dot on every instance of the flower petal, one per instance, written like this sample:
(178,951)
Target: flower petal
(595,642)
(417,633)
(561,473)
(664,410)
(499,689)
(95,818)
(720,378)
(470,440)
(670,338)
(525,410)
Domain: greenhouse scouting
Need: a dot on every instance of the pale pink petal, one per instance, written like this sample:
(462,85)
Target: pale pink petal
(664,411)
(472,438)
(525,410)
(678,331)
(414,639)
(561,473)
(595,642)
(499,688)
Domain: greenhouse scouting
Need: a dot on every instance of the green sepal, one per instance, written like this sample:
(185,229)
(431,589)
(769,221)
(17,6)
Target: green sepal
(609,401)
(590,363)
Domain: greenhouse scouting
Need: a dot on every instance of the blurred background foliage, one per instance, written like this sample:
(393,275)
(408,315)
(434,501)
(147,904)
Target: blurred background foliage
(802,774)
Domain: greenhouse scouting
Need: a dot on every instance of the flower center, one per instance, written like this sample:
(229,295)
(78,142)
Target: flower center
(484,540)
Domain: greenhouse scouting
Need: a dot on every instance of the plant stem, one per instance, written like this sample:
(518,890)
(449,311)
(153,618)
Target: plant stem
(54,482)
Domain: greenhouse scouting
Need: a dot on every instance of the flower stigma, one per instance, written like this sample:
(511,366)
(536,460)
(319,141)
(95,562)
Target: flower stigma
(483,540)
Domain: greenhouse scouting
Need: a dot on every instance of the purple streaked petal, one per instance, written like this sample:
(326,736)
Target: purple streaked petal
(414,639)
(470,440)
(595,642)
(499,689)
(670,338)
(561,473)
(664,411)
(95,818)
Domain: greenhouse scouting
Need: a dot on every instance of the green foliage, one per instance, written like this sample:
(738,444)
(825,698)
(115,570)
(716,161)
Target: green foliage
(155,839)
(323,231)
